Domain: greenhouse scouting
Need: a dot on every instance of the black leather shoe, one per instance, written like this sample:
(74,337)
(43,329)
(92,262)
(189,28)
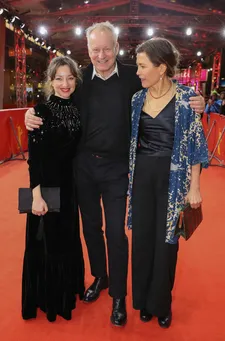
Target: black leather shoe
(165,321)
(145,316)
(119,312)
(51,316)
(93,292)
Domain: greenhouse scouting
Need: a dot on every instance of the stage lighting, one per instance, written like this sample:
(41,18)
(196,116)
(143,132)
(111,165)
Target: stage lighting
(5,13)
(189,31)
(14,18)
(43,30)
(78,31)
(117,30)
(53,49)
(17,22)
(27,31)
(150,32)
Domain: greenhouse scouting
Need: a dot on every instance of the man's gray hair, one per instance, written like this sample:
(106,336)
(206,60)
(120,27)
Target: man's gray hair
(102,26)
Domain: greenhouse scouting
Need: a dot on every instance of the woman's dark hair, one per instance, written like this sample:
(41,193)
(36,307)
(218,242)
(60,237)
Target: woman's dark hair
(161,51)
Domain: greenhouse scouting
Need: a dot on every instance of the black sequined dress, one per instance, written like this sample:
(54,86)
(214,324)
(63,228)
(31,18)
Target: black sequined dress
(53,269)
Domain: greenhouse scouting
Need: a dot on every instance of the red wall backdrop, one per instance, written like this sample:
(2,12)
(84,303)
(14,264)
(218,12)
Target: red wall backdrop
(8,143)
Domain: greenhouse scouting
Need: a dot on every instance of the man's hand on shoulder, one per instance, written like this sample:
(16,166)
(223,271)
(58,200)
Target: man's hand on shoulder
(197,103)
(31,121)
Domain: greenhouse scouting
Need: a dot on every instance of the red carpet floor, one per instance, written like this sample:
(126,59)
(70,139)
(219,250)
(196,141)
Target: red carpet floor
(199,293)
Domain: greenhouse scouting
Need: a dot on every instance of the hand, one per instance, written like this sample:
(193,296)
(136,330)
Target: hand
(39,206)
(197,103)
(194,198)
(31,121)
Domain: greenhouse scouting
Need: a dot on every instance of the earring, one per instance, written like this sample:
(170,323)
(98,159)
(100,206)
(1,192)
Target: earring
(160,78)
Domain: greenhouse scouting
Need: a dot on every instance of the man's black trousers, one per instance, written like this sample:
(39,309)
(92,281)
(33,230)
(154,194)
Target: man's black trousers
(107,178)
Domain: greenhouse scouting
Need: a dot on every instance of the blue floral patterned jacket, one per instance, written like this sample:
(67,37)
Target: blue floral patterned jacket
(189,148)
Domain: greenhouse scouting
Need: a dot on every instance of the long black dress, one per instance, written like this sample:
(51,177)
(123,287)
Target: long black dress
(53,269)
(153,260)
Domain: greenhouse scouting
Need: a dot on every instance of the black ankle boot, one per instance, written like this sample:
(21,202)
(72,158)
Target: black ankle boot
(119,312)
(145,316)
(165,321)
(93,292)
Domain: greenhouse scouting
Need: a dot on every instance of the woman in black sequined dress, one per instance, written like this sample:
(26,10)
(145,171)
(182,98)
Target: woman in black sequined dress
(53,269)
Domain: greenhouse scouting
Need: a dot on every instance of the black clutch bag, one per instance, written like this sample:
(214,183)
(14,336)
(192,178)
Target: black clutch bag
(51,196)
(188,221)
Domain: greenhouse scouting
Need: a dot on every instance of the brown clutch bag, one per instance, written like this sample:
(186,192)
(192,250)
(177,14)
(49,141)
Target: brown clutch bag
(188,221)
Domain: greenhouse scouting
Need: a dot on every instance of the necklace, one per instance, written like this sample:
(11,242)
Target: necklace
(157,106)
(171,83)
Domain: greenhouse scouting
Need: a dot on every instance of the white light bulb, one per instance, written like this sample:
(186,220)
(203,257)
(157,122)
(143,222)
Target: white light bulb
(43,30)
(189,31)
(78,31)
(121,52)
(150,32)
(13,19)
(117,30)
(199,53)
(68,52)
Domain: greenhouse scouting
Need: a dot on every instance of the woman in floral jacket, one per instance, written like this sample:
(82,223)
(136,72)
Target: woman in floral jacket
(168,147)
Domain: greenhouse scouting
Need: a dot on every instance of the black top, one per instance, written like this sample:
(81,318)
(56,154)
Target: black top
(105,107)
(53,146)
(107,130)
(156,135)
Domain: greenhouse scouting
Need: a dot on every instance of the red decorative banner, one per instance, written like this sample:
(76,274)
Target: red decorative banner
(214,127)
(9,145)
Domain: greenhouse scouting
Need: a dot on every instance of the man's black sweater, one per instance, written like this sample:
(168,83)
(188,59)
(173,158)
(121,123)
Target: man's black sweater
(105,109)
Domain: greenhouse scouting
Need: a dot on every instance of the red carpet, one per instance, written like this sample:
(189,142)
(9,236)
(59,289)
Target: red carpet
(199,293)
